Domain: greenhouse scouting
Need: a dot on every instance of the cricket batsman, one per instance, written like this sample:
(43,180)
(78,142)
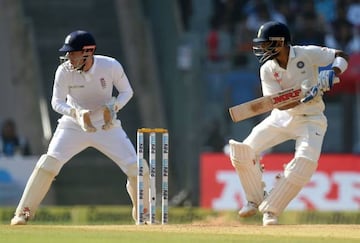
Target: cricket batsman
(284,66)
(82,94)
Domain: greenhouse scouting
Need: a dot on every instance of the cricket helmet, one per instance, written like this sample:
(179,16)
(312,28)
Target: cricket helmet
(270,37)
(77,41)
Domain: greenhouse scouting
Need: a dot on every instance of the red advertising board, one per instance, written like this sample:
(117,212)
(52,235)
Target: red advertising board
(334,186)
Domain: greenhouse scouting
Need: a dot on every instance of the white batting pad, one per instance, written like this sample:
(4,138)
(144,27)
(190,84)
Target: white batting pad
(131,187)
(248,169)
(296,174)
(38,184)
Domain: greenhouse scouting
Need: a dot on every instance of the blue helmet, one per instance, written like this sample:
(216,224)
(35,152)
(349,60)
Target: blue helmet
(78,41)
(271,35)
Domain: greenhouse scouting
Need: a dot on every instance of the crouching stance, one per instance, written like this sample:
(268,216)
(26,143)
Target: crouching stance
(82,93)
(285,66)
(44,173)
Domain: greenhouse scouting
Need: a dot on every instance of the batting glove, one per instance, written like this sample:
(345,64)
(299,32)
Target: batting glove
(326,80)
(311,94)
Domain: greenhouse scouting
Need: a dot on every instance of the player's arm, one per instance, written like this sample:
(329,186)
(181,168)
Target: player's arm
(60,91)
(122,85)
(340,63)
(327,78)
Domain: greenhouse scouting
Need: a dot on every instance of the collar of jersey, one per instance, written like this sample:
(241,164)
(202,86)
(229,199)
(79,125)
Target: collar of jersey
(93,67)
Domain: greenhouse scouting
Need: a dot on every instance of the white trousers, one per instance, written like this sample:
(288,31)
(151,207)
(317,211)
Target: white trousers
(114,143)
(307,131)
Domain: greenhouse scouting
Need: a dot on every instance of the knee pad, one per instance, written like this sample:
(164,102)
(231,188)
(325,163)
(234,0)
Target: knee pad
(248,169)
(241,154)
(49,164)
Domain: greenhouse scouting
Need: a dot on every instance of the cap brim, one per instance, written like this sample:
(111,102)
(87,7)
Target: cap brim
(257,40)
(66,48)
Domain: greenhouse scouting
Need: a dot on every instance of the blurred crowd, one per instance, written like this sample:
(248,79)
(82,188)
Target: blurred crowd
(333,23)
(11,142)
(231,69)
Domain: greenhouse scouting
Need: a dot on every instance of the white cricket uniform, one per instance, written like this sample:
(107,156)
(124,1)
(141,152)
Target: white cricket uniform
(91,90)
(304,123)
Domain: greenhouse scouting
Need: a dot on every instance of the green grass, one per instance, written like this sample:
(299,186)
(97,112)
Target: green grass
(87,224)
(95,215)
(179,233)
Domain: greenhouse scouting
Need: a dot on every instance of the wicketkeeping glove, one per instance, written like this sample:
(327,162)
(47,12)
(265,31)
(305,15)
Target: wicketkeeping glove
(83,119)
(109,113)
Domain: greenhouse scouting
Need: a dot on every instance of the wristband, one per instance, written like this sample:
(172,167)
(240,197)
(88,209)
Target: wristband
(340,63)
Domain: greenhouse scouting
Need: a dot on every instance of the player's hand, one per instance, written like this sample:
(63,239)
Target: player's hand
(310,94)
(326,80)
(83,119)
(109,113)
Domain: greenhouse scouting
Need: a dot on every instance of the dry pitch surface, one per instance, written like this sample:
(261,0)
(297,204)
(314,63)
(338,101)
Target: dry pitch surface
(180,233)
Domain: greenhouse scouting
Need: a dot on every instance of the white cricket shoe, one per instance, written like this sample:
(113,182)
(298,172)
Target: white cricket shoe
(248,210)
(18,220)
(269,218)
(146,216)
(22,218)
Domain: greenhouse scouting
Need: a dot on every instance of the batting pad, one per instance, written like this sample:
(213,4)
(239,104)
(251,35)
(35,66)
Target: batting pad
(38,184)
(248,169)
(296,174)
(131,187)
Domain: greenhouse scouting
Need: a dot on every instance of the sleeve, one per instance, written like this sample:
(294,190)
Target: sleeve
(321,56)
(60,91)
(122,85)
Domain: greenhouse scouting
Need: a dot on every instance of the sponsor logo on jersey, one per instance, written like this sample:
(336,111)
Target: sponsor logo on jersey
(76,86)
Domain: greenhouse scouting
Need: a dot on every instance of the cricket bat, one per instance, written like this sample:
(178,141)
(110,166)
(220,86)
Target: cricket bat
(265,104)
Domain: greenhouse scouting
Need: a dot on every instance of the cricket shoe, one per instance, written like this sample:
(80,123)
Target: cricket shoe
(269,218)
(146,219)
(146,216)
(248,210)
(22,218)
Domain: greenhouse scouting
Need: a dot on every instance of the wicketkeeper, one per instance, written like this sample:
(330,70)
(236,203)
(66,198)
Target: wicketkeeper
(284,66)
(82,93)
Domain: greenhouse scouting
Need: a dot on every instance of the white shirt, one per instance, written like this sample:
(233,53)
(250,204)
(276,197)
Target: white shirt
(89,90)
(303,64)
